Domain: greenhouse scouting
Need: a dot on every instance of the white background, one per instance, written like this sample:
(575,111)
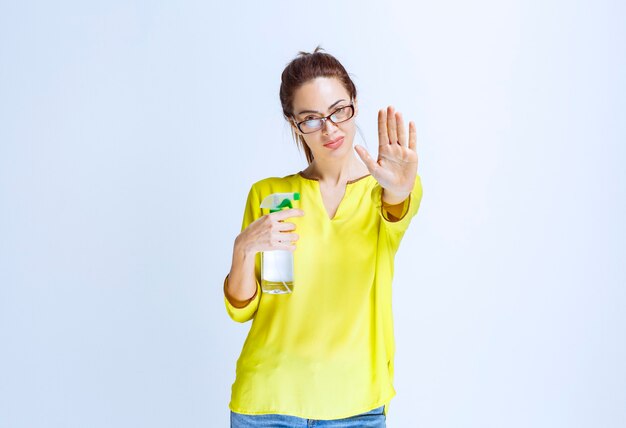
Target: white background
(130,133)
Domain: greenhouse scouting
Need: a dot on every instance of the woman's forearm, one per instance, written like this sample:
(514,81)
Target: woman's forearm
(240,286)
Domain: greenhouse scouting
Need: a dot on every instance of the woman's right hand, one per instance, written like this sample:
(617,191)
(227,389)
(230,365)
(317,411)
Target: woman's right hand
(269,232)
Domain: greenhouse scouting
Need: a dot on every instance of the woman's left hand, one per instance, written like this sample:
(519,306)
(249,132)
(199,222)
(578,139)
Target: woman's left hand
(396,166)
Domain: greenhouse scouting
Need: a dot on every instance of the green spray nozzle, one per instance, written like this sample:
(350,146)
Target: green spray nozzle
(278,201)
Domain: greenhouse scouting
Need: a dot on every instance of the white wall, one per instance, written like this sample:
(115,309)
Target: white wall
(131,132)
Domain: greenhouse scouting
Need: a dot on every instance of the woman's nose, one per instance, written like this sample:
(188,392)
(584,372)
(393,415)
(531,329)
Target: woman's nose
(327,125)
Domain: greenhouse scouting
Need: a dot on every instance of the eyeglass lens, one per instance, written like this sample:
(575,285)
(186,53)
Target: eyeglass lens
(340,115)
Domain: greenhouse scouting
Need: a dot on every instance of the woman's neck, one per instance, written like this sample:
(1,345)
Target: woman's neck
(336,173)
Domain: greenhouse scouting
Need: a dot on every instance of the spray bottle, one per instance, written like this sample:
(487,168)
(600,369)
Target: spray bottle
(277,265)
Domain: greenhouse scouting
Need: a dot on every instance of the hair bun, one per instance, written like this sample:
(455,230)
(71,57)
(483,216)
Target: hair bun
(319,48)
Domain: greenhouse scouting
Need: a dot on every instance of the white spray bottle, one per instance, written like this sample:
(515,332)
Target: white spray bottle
(277,265)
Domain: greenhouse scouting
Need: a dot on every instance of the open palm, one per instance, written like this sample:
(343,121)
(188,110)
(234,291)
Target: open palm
(396,166)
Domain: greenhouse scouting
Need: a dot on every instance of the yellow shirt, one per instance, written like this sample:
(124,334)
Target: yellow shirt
(325,351)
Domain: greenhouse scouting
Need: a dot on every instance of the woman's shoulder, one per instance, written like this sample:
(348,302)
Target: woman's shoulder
(273,181)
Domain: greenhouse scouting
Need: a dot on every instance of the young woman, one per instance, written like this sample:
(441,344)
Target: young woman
(325,351)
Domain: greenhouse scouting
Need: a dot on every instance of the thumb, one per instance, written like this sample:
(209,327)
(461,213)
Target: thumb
(366,158)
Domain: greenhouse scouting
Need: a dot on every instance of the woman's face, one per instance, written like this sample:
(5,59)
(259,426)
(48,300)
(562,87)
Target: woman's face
(317,98)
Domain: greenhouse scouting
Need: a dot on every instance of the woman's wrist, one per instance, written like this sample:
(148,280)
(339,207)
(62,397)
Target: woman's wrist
(241,249)
(391,199)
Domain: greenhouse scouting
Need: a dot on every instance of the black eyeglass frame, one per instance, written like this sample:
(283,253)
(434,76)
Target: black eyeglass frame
(324,119)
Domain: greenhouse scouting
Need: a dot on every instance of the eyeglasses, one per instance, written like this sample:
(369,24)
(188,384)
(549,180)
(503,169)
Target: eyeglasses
(340,115)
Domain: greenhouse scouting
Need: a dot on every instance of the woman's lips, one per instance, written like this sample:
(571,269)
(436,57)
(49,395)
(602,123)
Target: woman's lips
(335,144)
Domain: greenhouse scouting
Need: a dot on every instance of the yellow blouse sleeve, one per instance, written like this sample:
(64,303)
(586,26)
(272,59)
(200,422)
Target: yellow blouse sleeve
(247,312)
(252,212)
(387,210)
(411,205)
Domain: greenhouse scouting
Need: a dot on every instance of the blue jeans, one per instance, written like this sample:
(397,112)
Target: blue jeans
(372,419)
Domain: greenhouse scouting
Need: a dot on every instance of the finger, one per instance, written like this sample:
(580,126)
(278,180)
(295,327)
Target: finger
(286,245)
(383,137)
(287,238)
(401,131)
(284,214)
(391,125)
(291,248)
(370,163)
(286,226)
(412,136)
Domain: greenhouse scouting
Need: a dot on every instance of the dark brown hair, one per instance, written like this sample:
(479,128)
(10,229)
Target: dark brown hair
(304,67)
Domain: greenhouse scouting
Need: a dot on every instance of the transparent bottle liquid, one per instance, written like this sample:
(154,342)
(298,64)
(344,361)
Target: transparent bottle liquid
(277,272)
(277,265)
